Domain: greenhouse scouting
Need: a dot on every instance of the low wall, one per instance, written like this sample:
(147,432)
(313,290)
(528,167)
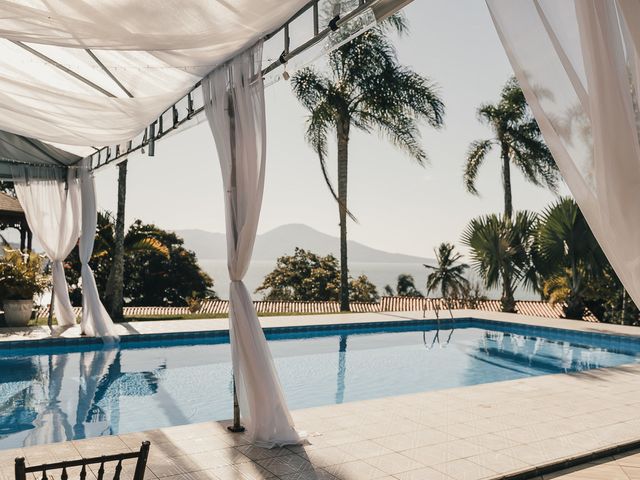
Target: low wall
(386,304)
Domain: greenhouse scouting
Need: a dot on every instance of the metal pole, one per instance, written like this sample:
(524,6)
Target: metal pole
(236,427)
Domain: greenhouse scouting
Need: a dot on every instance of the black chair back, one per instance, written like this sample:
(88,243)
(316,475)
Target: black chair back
(45,469)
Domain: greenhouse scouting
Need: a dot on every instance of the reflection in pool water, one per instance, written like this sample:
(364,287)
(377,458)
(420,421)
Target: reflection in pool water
(55,394)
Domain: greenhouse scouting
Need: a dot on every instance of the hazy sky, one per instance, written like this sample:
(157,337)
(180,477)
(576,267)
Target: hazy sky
(401,207)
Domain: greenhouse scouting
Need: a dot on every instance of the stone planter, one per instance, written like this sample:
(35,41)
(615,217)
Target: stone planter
(17,312)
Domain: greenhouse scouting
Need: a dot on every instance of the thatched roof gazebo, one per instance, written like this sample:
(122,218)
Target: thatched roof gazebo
(12,216)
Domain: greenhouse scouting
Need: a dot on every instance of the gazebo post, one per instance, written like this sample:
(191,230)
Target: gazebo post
(237,426)
(23,238)
(50,317)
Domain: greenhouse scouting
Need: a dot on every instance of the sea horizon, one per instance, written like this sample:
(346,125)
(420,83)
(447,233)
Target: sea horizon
(379,273)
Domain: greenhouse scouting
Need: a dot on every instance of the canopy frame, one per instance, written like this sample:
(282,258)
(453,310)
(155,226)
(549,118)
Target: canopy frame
(174,117)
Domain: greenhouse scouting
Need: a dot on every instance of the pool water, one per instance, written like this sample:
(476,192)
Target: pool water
(55,393)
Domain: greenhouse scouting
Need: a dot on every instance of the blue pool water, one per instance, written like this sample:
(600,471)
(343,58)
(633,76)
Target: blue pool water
(56,393)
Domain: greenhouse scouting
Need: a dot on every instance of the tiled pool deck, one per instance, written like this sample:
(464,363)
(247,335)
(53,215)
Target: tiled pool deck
(478,432)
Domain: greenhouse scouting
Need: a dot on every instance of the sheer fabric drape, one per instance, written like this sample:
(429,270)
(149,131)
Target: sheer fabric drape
(234,106)
(96,322)
(50,198)
(577,62)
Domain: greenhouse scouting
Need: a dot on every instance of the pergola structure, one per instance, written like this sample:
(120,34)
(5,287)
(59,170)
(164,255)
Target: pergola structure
(84,84)
(12,216)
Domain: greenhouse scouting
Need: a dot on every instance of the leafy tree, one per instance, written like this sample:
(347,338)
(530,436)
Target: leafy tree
(568,256)
(365,88)
(448,275)
(517,136)
(151,278)
(362,290)
(303,276)
(158,269)
(307,276)
(406,286)
(501,252)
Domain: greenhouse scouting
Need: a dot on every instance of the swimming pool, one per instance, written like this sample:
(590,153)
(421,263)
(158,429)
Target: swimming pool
(78,390)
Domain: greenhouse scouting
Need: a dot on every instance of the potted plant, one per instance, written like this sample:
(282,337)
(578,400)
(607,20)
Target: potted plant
(21,278)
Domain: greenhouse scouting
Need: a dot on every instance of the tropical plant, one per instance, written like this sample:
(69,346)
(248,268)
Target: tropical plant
(502,251)
(21,275)
(406,286)
(607,299)
(568,256)
(307,276)
(518,138)
(365,88)
(448,274)
(472,295)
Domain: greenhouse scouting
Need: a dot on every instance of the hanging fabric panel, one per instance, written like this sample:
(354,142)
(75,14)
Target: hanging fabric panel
(234,106)
(50,198)
(96,322)
(577,63)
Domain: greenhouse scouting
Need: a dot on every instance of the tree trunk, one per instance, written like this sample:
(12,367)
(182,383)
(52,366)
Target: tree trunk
(574,309)
(115,283)
(343,160)
(506,181)
(507,300)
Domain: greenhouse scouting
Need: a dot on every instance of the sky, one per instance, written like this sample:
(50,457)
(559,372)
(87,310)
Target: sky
(400,206)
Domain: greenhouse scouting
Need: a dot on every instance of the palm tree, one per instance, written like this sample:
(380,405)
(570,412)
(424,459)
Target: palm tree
(448,275)
(365,87)
(501,251)
(406,286)
(518,137)
(568,255)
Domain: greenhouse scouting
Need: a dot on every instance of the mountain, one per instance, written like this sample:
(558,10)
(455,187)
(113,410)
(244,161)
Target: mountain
(282,241)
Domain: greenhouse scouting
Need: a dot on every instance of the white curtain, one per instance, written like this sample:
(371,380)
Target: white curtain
(96,322)
(50,198)
(577,63)
(234,105)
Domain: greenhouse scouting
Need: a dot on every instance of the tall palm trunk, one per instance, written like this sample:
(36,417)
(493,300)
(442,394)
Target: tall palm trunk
(506,180)
(508,301)
(574,307)
(115,283)
(343,163)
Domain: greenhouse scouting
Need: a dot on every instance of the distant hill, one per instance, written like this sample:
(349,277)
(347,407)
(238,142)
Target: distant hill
(282,240)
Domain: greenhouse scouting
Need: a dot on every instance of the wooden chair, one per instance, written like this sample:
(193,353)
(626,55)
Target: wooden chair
(141,455)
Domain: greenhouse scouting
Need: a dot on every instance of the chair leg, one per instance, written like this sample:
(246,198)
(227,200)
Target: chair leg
(141,464)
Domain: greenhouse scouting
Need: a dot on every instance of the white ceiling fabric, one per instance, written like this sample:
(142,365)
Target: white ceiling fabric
(158,50)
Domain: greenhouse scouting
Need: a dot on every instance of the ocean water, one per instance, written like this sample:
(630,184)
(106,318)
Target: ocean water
(50,394)
(380,274)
